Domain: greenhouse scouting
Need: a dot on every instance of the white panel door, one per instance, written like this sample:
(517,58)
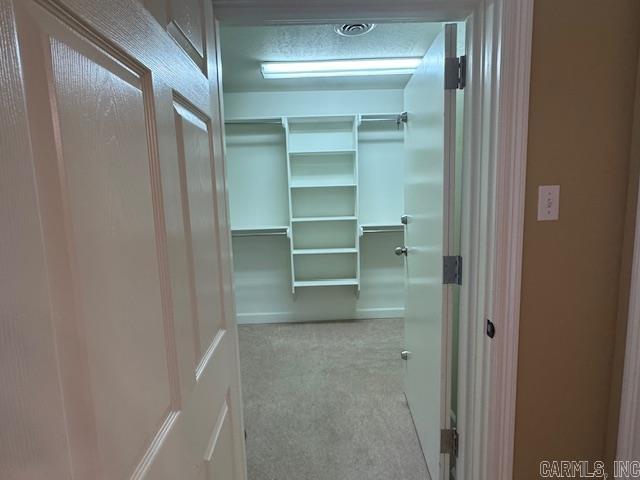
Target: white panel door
(118,323)
(429,142)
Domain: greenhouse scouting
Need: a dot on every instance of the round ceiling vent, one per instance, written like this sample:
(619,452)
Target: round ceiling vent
(354,29)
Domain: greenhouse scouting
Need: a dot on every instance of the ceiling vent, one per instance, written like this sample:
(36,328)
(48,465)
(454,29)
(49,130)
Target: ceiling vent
(354,29)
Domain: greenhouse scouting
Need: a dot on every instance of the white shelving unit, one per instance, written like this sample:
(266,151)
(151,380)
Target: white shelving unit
(322,165)
(300,178)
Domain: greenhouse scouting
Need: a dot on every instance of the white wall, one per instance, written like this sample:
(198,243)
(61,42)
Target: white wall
(322,102)
(262,264)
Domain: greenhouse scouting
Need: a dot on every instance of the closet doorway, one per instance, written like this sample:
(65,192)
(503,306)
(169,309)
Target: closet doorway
(344,193)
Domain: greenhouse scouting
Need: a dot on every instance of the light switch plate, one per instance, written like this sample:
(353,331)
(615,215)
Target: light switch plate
(548,202)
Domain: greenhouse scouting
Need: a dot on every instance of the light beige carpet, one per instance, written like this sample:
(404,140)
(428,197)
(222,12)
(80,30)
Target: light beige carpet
(325,401)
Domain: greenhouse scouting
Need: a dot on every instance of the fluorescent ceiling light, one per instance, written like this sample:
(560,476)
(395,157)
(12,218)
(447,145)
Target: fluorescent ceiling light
(340,68)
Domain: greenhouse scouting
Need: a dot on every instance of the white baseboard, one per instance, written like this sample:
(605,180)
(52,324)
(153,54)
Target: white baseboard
(294,317)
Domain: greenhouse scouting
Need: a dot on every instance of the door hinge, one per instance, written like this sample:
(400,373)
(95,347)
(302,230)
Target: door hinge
(452,270)
(455,73)
(449,442)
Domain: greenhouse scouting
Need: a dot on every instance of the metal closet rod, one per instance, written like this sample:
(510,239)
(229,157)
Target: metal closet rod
(262,234)
(271,121)
(278,121)
(382,230)
(258,233)
(381,118)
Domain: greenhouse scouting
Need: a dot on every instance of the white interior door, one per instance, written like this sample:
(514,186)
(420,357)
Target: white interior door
(117,336)
(429,143)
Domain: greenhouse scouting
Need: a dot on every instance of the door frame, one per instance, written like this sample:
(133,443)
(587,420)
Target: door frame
(628,442)
(628,447)
(495,142)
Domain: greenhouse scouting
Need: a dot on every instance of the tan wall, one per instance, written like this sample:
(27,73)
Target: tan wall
(582,94)
(625,279)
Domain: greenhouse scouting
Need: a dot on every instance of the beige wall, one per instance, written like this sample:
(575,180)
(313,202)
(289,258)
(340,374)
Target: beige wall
(583,79)
(625,279)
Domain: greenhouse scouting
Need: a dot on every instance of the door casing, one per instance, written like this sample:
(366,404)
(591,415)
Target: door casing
(495,144)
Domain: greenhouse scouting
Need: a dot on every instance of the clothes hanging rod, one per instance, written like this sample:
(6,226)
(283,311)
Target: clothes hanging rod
(258,234)
(390,118)
(395,117)
(257,121)
(386,120)
(382,230)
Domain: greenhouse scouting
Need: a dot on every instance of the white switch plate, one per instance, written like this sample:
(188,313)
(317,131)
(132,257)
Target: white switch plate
(548,202)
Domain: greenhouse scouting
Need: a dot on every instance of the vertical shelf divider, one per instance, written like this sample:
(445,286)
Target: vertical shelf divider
(285,124)
(356,124)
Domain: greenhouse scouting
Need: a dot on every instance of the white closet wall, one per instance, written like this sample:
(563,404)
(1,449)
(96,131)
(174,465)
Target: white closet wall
(265,264)
(322,102)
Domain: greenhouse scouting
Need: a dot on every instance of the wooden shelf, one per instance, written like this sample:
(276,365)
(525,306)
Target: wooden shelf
(324,219)
(323,251)
(326,283)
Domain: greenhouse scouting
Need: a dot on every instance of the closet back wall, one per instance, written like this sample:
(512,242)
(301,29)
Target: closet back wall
(257,170)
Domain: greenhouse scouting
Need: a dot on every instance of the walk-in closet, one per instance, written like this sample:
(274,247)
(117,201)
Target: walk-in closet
(318,172)
(316,203)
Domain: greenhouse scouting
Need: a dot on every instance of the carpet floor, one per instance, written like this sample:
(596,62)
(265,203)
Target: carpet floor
(325,401)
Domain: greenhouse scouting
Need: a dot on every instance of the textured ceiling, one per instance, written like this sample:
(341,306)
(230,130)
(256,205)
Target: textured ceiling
(244,48)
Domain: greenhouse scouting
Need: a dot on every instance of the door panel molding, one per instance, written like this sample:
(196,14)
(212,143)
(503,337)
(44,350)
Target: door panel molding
(34,405)
(193,132)
(125,392)
(53,43)
(65,85)
(183,40)
(95,21)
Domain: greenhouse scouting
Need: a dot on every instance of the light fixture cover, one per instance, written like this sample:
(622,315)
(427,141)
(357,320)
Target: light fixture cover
(340,68)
